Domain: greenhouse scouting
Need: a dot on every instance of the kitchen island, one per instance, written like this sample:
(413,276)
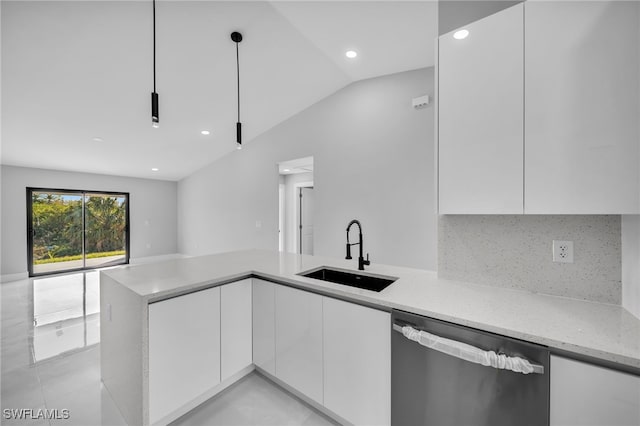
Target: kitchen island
(603,333)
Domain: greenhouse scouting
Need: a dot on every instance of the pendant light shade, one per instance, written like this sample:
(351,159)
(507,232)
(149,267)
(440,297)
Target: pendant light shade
(155,117)
(237,38)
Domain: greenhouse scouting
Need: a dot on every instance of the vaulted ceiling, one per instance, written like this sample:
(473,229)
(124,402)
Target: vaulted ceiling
(77,75)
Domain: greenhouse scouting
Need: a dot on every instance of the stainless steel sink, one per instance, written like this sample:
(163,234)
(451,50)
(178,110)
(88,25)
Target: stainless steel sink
(353,279)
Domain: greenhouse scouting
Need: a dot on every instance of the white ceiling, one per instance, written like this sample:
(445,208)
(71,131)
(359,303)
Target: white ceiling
(299,165)
(78,70)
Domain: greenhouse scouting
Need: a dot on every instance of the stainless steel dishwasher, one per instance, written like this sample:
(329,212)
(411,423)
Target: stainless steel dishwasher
(432,385)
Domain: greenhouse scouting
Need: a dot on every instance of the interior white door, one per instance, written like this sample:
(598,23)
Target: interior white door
(306,220)
(235,327)
(184,350)
(281,217)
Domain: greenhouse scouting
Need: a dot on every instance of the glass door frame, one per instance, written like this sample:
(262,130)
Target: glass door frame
(83,192)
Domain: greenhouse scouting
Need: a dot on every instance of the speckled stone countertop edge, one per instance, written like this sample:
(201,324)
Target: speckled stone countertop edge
(626,351)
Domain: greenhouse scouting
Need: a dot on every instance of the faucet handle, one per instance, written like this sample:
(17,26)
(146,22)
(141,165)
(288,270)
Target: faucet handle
(367,262)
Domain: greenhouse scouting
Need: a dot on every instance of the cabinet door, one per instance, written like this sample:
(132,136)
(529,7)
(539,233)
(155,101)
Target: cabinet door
(184,350)
(480,110)
(235,328)
(581,82)
(357,362)
(264,331)
(299,340)
(583,394)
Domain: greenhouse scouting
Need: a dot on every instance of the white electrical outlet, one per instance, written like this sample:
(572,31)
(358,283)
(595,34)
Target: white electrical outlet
(563,251)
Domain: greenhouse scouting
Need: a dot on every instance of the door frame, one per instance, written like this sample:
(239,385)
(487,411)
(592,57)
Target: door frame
(29,235)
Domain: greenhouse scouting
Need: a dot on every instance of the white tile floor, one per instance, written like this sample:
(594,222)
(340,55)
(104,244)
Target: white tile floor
(56,364)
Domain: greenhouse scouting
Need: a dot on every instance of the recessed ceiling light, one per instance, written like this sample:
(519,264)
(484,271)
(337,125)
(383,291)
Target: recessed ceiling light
(205,132)
(459,35)
(351,54)
(155,169)
(96,139)
(286,170)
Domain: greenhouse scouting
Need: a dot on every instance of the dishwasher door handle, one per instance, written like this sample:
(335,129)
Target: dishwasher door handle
(468,352)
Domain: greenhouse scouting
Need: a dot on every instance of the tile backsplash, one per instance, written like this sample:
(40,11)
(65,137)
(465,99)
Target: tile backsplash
(515,251)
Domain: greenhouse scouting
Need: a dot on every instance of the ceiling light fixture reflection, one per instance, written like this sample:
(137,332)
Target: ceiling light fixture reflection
(205,132)
(351,54)
(155,169)
(286,170)
(459,35)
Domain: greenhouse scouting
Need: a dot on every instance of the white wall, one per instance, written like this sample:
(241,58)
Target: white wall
(152,210)
(373,161)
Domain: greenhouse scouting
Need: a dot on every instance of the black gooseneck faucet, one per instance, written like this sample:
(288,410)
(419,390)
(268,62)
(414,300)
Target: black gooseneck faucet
(361,260)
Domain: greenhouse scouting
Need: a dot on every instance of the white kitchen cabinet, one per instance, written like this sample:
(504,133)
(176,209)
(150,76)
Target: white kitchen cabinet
(235,327)
(184,350)
(480,110)
(583,394)
(556,134)
(581,111)
(357,362)
(298,329)
(264,327)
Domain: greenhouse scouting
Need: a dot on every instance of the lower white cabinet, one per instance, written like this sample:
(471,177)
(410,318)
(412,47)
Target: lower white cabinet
(336,353)
(235,327)
(264,327)
(357,362)
(298,340)
(184,350)
(584,394)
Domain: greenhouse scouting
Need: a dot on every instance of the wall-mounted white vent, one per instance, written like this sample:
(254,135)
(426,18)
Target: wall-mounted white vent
(420,102)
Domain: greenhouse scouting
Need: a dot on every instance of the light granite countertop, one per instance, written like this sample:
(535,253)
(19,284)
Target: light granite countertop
(602,331)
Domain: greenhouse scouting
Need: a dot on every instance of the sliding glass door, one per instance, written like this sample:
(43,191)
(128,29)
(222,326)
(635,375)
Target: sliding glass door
(74,230)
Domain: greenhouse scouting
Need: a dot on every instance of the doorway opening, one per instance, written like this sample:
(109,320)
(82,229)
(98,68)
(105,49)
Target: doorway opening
(296,206)
(72,230)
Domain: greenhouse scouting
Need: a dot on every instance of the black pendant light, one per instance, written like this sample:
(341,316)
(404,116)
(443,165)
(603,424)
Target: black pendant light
(237,38)
(155,118)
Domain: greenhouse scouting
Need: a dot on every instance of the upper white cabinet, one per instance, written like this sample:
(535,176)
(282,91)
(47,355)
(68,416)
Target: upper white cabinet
(357,362)
(184,350)
(480,110)
(264,328)
(586,395)
(298,331)
(235,327)
(571,70)
(581,111)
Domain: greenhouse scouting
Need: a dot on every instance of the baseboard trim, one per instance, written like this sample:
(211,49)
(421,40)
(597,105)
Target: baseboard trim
(316,405)
(14,277)
(176,414)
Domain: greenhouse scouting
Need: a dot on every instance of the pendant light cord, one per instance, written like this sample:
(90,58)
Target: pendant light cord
(154,46)
(238,72)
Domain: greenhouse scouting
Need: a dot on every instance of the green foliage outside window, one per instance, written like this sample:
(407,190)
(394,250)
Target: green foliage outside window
(57,224)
